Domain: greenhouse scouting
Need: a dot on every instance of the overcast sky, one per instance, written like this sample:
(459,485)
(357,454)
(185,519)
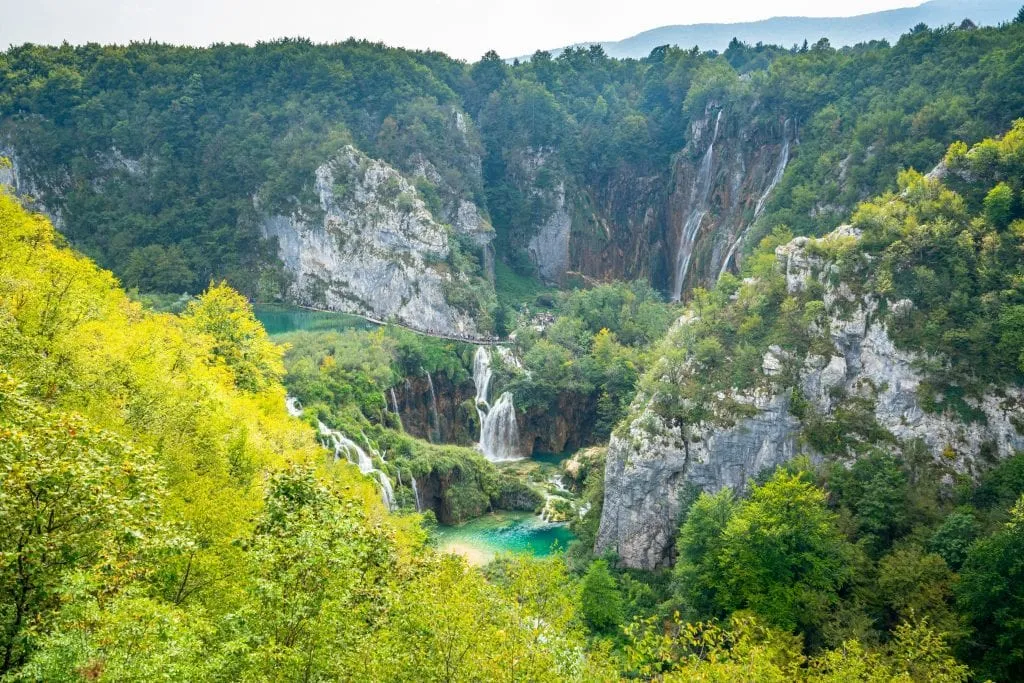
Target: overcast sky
(462,28)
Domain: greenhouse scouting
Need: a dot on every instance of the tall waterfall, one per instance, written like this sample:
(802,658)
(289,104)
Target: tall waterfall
(698,210)
(345,447)
(780,170)
(499,431)
(482,382)
(435,428)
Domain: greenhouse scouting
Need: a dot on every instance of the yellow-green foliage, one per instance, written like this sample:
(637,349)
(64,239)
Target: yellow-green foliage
(162,516)
(746,650)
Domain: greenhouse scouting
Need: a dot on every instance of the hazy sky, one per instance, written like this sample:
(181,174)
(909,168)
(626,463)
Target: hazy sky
(462,28)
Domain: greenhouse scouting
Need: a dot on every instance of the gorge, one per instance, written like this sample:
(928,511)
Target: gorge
(345,361)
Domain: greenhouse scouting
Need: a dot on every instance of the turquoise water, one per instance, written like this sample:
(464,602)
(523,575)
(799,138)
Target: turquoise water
(279,319)
(551,458)
(480,540)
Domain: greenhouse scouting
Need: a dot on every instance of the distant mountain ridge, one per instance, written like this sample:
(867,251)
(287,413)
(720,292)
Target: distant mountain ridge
(888,25)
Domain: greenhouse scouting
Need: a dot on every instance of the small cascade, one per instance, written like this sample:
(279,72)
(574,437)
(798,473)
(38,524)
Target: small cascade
(348,449)
(508,357)
(292,405)
(387,492)
(394,406)
(499,431)
(780,170)
(416,493)
(435,429)
(698,210)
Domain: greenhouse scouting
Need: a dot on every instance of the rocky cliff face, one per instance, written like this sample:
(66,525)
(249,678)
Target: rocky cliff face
(371,247)
(558,429)
(651,463)
(621,235)
(454,420)
(720,184)
(679,227)
(32,191)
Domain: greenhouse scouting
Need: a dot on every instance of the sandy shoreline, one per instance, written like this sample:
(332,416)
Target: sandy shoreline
(475,556)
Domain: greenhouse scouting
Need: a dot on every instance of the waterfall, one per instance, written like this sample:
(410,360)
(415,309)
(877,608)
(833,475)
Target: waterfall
(499,433)
(780,170)
(508,357)
(482,382)
(394,406)
(387,492)
(435,432)
(292,405)
(345,447)
(416,493)
(698,210)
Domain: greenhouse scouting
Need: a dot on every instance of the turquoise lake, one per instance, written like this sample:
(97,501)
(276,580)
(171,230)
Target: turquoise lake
(281,319)
(480,540)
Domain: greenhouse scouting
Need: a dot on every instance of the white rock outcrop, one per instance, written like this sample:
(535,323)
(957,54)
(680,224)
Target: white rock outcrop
(371,247)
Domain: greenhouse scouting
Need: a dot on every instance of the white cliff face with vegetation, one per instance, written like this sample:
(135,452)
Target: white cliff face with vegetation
(854,373)
(371,247)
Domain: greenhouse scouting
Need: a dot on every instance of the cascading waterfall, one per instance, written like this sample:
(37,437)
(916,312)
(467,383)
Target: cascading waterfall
(499,431)
(698,210)
(435,431)
(345,447)
(387,492)
(482,381)
(293,406)
(780,170)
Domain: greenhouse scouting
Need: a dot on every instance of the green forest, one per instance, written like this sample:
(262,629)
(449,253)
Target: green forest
(186,496)
(212,128)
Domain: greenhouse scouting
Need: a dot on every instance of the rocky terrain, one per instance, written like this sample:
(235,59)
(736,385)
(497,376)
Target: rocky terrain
(371,247)
(653,466)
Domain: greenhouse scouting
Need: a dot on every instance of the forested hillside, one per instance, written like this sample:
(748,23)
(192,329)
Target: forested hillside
(862,393)
(171,165)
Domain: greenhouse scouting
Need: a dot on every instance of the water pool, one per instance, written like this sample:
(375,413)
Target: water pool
(282,319)
(480,540)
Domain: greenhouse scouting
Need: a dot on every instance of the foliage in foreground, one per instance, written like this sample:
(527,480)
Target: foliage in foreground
(162,516)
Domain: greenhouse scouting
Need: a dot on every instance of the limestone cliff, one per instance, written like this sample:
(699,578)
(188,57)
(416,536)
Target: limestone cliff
(437,409)
(678,225)
(33,192)
(653,462)
(372,247)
